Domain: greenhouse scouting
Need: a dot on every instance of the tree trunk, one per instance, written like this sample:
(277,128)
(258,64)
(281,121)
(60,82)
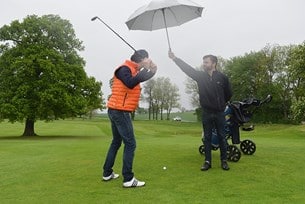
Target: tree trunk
(91,114)
(168,114)
(149,111)
(29,128)
(161,113)
(154,112)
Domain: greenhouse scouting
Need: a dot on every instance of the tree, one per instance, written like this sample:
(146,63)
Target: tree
(171,97)
(42,76)
(276,70)
(243,72)
(161,95)
(157,98)
(298,110)
(191,88)
(276,64)
(94,102)
(222,63)
(297,70)
(148,91)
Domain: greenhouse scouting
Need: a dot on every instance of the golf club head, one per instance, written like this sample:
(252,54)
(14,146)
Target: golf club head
(94,18)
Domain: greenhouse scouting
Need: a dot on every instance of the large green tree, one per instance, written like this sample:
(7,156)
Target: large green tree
(275,62)
(42,76)
(276,70)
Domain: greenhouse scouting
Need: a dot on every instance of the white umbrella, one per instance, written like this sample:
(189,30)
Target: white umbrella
(160,14)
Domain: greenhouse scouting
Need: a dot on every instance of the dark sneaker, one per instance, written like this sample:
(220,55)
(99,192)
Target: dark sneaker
(224,165)
(112,176)
(206,166)
(133,183)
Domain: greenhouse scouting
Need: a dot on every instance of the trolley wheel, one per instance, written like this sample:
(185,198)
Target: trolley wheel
(248,147)
(233,153)
(201,149)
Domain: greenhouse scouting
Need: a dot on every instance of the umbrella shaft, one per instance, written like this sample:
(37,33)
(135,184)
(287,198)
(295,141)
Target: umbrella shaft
(169,45)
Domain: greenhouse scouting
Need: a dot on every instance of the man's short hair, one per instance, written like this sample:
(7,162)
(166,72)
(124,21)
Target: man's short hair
(212,58)
(139,55)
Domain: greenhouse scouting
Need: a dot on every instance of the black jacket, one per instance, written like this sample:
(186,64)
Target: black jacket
(214,91)
(124,74)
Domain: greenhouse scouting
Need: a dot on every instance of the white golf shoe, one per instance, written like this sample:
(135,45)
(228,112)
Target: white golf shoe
(112,176)
(133,183)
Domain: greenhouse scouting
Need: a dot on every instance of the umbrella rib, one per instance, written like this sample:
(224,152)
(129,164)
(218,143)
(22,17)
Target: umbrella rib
(173,14)
(153,16)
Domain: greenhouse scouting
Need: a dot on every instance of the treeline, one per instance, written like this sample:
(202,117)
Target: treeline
(276,70)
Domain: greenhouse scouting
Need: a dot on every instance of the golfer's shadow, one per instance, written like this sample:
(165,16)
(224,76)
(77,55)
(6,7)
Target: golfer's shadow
(50,137)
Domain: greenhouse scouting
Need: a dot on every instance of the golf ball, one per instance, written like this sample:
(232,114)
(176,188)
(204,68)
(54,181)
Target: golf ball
(164,168)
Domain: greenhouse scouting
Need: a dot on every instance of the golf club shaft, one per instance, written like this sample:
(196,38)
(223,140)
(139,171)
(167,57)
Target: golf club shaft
(96,17)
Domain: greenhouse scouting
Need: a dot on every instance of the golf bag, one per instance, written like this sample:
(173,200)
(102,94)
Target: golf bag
(237,114)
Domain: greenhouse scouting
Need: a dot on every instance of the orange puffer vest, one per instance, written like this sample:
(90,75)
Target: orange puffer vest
(122,97)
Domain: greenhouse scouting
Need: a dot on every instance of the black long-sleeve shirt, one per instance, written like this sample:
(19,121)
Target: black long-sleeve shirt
(124,74)
(214,91)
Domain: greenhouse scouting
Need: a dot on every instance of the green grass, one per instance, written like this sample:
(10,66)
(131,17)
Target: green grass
(185,116)
(63,165)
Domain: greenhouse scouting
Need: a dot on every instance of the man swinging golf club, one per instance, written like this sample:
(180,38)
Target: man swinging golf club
(124,99)
(214,93)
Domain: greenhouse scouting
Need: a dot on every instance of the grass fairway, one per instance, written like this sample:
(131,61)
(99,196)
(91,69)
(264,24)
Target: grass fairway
(63,165)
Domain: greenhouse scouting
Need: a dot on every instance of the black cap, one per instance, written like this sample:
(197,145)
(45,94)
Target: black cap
(139,55)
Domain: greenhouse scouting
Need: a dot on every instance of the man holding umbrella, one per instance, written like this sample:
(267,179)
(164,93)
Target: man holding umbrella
(124,99)
(214,93)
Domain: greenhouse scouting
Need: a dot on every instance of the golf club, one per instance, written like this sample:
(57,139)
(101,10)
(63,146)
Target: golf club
(96,17)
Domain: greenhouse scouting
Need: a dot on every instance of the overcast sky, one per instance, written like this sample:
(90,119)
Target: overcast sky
(227,28)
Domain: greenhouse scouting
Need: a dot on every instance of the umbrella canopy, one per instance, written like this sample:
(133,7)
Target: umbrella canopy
(160,14)
(151,17)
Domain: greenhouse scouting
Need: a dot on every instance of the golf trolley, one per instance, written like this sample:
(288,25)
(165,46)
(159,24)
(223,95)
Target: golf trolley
(237,114)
